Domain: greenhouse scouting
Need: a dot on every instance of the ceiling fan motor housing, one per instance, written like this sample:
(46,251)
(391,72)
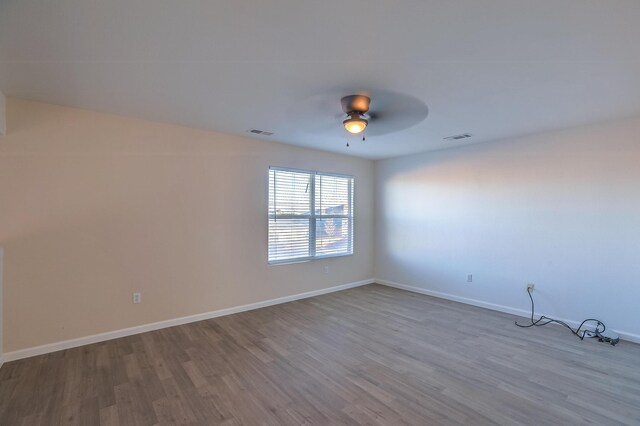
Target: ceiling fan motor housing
(355,103)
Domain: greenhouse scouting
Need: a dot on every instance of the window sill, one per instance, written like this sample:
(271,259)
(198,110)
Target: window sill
(306,259)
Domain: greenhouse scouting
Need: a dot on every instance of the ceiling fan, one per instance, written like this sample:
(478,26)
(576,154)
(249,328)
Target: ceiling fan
(334,113)
(356,108)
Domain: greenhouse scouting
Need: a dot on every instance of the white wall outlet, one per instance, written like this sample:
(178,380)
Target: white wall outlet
(137,297)
(530,286)
(326,269)
(470,278)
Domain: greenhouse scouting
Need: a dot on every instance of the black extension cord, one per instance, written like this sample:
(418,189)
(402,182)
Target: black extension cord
(543,320)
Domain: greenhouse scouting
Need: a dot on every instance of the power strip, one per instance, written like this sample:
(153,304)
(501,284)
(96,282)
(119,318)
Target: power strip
(604,336)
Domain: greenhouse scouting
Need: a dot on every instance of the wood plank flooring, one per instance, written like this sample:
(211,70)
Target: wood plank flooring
(371,355)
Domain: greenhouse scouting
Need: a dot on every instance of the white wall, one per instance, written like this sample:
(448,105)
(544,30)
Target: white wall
(559,209)
(94,207)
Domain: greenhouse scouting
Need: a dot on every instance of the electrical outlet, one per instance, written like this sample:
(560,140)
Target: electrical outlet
(137,297)
(470,278)
(326,269)
(530,286)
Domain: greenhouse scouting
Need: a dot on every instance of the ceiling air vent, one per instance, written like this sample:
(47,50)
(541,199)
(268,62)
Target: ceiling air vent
(458,137)
(260,132)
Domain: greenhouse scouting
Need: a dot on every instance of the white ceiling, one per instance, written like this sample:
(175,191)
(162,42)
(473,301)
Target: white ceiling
(493,68)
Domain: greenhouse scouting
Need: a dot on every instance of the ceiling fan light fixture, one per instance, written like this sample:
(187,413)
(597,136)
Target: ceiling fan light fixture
(355,123)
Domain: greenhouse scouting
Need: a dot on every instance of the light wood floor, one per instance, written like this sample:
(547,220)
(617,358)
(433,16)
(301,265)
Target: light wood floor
(370,355)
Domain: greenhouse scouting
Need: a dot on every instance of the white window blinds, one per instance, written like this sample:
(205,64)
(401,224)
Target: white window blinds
(310,215)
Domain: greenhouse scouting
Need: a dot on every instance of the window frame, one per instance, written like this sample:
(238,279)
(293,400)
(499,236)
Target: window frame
(312,217)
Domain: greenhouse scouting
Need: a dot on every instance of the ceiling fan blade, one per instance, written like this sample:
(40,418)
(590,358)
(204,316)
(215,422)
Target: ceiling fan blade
(392,112)
(319,114)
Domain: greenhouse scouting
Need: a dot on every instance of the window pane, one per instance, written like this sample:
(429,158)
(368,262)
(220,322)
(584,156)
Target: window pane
(310,214)
(289,193)
(288,239)
(333,237)
(332,195)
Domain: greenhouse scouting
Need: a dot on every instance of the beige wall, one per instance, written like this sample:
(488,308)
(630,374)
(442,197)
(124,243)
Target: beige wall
(3,122)
(96,206)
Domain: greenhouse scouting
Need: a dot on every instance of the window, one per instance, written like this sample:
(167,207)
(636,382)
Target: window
(310,215)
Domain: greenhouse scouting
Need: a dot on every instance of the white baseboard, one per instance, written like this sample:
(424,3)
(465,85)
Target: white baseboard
(1,360)
(87,340)
(631,337)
